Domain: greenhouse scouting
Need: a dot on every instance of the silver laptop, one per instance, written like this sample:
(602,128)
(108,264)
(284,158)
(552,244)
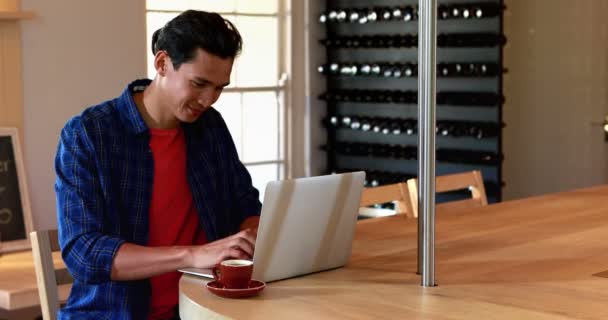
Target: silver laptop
(307,225)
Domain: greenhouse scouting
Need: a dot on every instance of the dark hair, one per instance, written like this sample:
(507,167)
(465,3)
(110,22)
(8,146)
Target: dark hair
(192,30)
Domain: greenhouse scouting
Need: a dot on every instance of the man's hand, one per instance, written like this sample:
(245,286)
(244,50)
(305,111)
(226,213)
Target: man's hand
(135,262)
(238,246)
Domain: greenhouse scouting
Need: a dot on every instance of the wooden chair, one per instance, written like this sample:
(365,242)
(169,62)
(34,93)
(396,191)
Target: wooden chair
(397,192)
(471,180)
(44,243)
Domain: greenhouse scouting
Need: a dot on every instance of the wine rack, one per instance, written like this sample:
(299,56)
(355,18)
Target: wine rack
(371,93)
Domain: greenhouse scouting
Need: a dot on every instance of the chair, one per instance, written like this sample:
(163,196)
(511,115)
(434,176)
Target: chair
(44,243)
(471,180)
(393,192)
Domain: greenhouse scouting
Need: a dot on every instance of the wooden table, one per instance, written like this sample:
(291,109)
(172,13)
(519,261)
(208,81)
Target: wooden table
(18,289)
(536,258)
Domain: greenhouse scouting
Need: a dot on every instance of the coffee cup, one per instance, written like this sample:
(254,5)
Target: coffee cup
(233,274)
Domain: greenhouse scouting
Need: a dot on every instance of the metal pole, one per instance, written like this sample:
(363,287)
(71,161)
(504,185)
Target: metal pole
(427,56)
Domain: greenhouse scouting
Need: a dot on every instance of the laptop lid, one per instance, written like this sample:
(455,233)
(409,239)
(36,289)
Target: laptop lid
(307,225)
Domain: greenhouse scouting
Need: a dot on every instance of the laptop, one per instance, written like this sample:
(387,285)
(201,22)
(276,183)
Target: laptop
(307,225)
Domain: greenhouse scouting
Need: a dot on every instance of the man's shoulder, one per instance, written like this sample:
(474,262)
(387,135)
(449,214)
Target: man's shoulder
(209,119)
(96,117)
(100,113)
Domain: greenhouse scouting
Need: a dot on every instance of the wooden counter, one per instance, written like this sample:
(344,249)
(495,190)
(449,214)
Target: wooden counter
(536,258)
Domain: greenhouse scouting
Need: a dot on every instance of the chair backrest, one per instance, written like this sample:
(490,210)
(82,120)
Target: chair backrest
(471,180)
(44,243)
(397,192)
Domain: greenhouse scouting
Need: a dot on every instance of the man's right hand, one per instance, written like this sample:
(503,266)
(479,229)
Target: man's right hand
(237,246)
(135,262)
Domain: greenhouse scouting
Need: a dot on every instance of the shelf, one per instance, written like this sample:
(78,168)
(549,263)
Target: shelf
(376,89)
(16,15)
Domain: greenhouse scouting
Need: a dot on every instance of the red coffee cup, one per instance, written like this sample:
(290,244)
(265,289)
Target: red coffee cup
(233,274)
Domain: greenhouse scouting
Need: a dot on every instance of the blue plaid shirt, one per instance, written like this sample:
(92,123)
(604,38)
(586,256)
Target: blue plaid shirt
(105,169)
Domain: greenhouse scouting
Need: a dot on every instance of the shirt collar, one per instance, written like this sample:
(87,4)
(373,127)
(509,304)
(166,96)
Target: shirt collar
(128,108)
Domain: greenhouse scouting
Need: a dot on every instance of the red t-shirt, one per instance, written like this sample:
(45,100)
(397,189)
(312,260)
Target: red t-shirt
(173,217)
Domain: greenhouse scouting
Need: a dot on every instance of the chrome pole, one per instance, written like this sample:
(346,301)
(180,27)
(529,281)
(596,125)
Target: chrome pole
(427,57)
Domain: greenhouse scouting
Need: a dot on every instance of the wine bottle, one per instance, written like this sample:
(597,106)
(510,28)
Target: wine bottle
(468,98)
(386,14)
(406,41)
(455,12)
(323,18)
(334,121)
(331,15)
(346,121)
(397,13)
(366,123)
(387,70)
(408,13)
(372,15)
(341,15)
(346,70)
(365,69)
(354,16)
(486,10)
(443,11)
(395,128)
(379,125)
(443,70)
(468,156)
(355,123)
(397,71)
(478,39)
(410,70)
(375,69)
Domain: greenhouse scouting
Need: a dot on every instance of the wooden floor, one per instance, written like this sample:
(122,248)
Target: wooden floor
(537,258)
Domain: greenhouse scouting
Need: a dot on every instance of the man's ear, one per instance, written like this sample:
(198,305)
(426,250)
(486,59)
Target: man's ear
(162,61)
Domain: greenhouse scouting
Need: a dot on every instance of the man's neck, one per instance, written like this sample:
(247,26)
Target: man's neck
(152,110)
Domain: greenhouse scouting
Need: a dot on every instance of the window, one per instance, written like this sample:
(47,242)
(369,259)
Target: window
(253,105)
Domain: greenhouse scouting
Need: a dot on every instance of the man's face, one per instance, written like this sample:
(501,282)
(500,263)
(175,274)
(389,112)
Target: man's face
(195,85)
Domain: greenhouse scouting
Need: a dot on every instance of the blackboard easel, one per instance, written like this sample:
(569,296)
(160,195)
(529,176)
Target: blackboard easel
(15,214)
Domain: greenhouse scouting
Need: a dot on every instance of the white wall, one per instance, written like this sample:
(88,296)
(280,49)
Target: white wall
(75,54)
(556,95)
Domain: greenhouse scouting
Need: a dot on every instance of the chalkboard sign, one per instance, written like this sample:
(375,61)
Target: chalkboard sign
(15,216)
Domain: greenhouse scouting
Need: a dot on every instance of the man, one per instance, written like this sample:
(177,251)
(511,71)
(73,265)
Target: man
(150,181)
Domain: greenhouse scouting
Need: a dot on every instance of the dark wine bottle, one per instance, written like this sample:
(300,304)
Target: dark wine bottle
(386,14)
(443,12)
(355,123)
(387,70)
(323,18)
(397,13)
(366,123)
(408,13)
(372,15)
(485,10)
(334,121)
(455,12)
(341,15)
(354,16)
(395,128)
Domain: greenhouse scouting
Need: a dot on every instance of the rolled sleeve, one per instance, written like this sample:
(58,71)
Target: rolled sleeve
(87,248)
